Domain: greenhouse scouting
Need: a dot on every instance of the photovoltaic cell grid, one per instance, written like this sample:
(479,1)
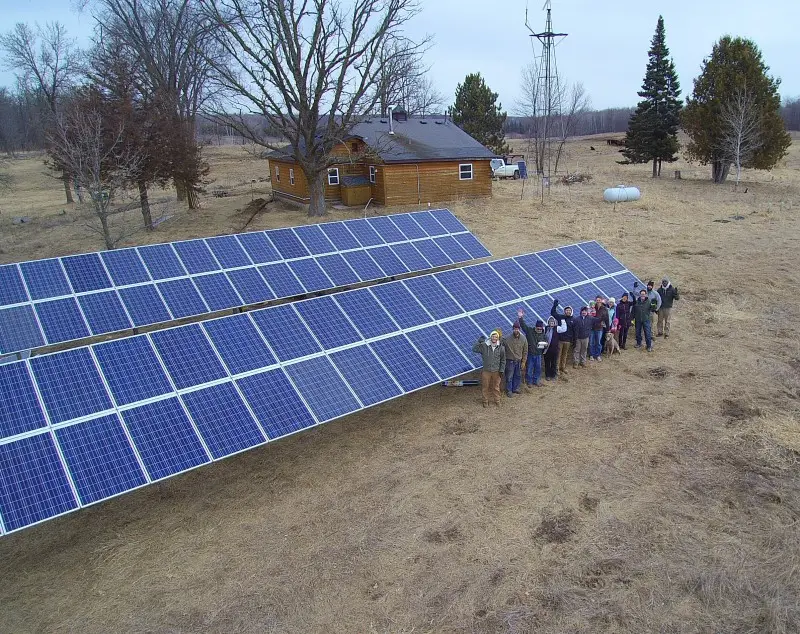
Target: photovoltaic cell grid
(83,425)
(141,286)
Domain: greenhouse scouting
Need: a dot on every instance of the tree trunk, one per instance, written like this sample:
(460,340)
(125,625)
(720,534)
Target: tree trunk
(145,204)
(106,232)
(191,196)
(719,171)
(659,168)
(316,188)
(655,168)
(67,189)
(180,190)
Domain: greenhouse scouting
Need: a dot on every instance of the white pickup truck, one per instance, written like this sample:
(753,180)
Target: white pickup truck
(501,170)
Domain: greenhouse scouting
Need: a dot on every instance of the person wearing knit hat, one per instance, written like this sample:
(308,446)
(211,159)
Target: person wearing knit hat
(493,355)
(566,338)
(536,339)
(668,294)
(624,316)
(516,355)
(582,327)
(551,350)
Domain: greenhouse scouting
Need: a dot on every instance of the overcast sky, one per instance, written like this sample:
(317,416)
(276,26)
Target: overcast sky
(606,48)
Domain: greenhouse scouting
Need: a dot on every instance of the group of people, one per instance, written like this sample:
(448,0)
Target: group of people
(508,361)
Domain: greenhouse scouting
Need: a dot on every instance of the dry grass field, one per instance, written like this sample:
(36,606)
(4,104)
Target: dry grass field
(651,493)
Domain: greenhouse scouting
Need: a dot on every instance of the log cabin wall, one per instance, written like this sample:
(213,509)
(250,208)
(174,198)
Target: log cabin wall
(434,182)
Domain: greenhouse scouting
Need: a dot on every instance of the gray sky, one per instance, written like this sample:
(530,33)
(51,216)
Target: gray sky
(606,48)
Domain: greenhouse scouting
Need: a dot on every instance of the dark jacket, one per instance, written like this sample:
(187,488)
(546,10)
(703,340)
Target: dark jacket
(625,314)
(569,335)
(551,334)
(582,326)
(493,360)
(601,318)
(533,337)
(642,310)
(668,295)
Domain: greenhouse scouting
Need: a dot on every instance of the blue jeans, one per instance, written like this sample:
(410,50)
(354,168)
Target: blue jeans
(647,327)
(596,343)
(533,369)
(513,375)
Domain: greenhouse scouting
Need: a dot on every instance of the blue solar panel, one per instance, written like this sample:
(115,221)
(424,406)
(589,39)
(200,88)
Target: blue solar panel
(327,322)
(564,268)
(401,305)
(568,297)
(463,289)
(61,320)
(33,485)
(610,287)
(490,283)
(488,320)
(196,256)
(281,280)
(19,329)
(410,257)
(45,278)
(188,356)
(431,226)
(410,228)
(388,261)
(587,291)
(275,403)
(539,271)
(310,275)
(366,313)
(144,305)
(287,243)
(125,266)
(363,265)
(217,291)
(165,438)
(609,263)
(100,458)
(322,388)
(259,247)
(285,332)
(452,248)
(12,289)
(70,385)
(404,362)
(448,220)
(433,253)
(239,343)
(432,296)
(161,261)
(365,375)
(582,262)
(223,420)
(86,272)
(364,233)
(386,229)
(340,235)
(440,352)
(250,285)
(132,369)
(104,312)
(182,298)
(627,280)
(19,406)
(516,277)
(338,270)
(464,334)
(472,245)
(314,240)
(541,307)
(228,251)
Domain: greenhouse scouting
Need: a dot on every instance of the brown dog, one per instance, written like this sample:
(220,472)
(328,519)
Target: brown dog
(611,344)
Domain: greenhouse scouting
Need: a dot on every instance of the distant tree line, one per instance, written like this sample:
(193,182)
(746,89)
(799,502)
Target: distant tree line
(606,121)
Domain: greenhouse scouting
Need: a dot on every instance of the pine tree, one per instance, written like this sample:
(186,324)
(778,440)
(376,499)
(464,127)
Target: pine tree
(735,67)
(476,112)
(653,129)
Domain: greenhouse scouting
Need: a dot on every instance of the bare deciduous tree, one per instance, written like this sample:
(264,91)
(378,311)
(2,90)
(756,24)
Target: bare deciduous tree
(577,104)
(309,70)
(741,136)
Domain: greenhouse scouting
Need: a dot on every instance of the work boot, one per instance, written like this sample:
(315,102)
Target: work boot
(666,336)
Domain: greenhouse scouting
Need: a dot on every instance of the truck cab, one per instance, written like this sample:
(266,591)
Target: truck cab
(502,170)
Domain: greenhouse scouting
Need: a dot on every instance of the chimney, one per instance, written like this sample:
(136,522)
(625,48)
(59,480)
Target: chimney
(391,120)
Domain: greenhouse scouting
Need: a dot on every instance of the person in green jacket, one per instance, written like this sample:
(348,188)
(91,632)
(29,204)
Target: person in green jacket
(641,313)
(668,294)
(493,355)
(536,336)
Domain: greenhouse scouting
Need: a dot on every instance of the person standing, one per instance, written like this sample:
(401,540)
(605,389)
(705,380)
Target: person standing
(552,350)
(599,328)
(582,328)
(493,355)
(655,298)
(565,338)
(668,294)
(535,336)
(516,355)
(624,317)
(641,314)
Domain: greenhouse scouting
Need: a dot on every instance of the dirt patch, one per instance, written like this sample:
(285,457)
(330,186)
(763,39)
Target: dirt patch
(446,535)
(603,573)
(588,503)
(556,527)
(687,253)
(736,410)
(459,427)
(659,372)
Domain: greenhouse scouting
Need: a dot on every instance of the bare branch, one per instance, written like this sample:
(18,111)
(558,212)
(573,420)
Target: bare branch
(742,134)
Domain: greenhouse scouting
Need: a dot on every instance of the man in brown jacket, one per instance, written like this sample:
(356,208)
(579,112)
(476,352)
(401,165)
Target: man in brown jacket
(493,354)
(516,355)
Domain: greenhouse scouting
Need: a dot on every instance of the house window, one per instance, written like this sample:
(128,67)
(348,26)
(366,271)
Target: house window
(278,174)
(354,146)
(291,176)
(333,176)
(465,172)
(372,171)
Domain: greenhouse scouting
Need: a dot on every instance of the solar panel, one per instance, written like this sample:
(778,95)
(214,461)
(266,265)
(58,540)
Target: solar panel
(86,272)
(491,283)
(491,319)
(565,269)
(568,297)
(218,292)
(410,228)
(285,332)
(250,285)
(104,312)
(404,362)
(464,333)
(277,406)
(19,329)
(259,248)
(228,252)
(363,265)
(627,280)
(542,274)
(472,245)
(61,320)
(386,229)
(440,352)
(366,313)
(340,235)
(281,280)
(433,253)
(432,296)
(287,243)
(196,256)
(161,261)
(388,261)
(411,258)
(322,388)
(452,248)
(144,305)
(401,304)
(182,297)
(125,266)
(314,240)
(582,262)
(609,263)
(364,233)
(132,369)
(12,289)
(19,406)
(328,323)
(239,344)
(430,225)
(311,276)
(447,219)
(610,287)
(587,291)
(45,279)
(338,270)
(365,375)
(541,306)
(188,356)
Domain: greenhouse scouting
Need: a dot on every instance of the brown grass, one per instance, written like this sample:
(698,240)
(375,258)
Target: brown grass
(653,493)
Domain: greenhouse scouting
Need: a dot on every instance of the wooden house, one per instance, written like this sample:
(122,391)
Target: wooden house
(394,161)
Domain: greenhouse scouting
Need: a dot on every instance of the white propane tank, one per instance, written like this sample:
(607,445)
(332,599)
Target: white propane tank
(621,194)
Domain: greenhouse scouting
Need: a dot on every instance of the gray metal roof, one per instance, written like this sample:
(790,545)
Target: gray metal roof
(415,140)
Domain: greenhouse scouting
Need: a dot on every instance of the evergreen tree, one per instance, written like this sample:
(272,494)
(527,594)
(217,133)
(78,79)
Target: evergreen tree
(476,112)
(653,129)
(735,67)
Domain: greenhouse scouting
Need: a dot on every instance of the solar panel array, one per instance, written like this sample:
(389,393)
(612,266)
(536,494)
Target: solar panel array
(45,302)
(80,426)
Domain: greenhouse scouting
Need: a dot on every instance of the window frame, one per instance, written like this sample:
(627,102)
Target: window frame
(461,176)
(291,176)
(373,174)
(333,172)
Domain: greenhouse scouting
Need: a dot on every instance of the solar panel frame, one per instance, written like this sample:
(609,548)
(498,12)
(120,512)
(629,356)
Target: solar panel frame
(20,408)
(86,272)
(323,389)
(196,256)
(62,320)
(218,292)
(145,305)
(45,279)
(125,266)
(581,261)
(287,243)
(188,356)
(229,252)
(278,408)
(182,297)
(104,312)
(12,288)
(162,261)
(239,344)
(314,240)
(259,247)
(327,322)
(20,329)
(250,285)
